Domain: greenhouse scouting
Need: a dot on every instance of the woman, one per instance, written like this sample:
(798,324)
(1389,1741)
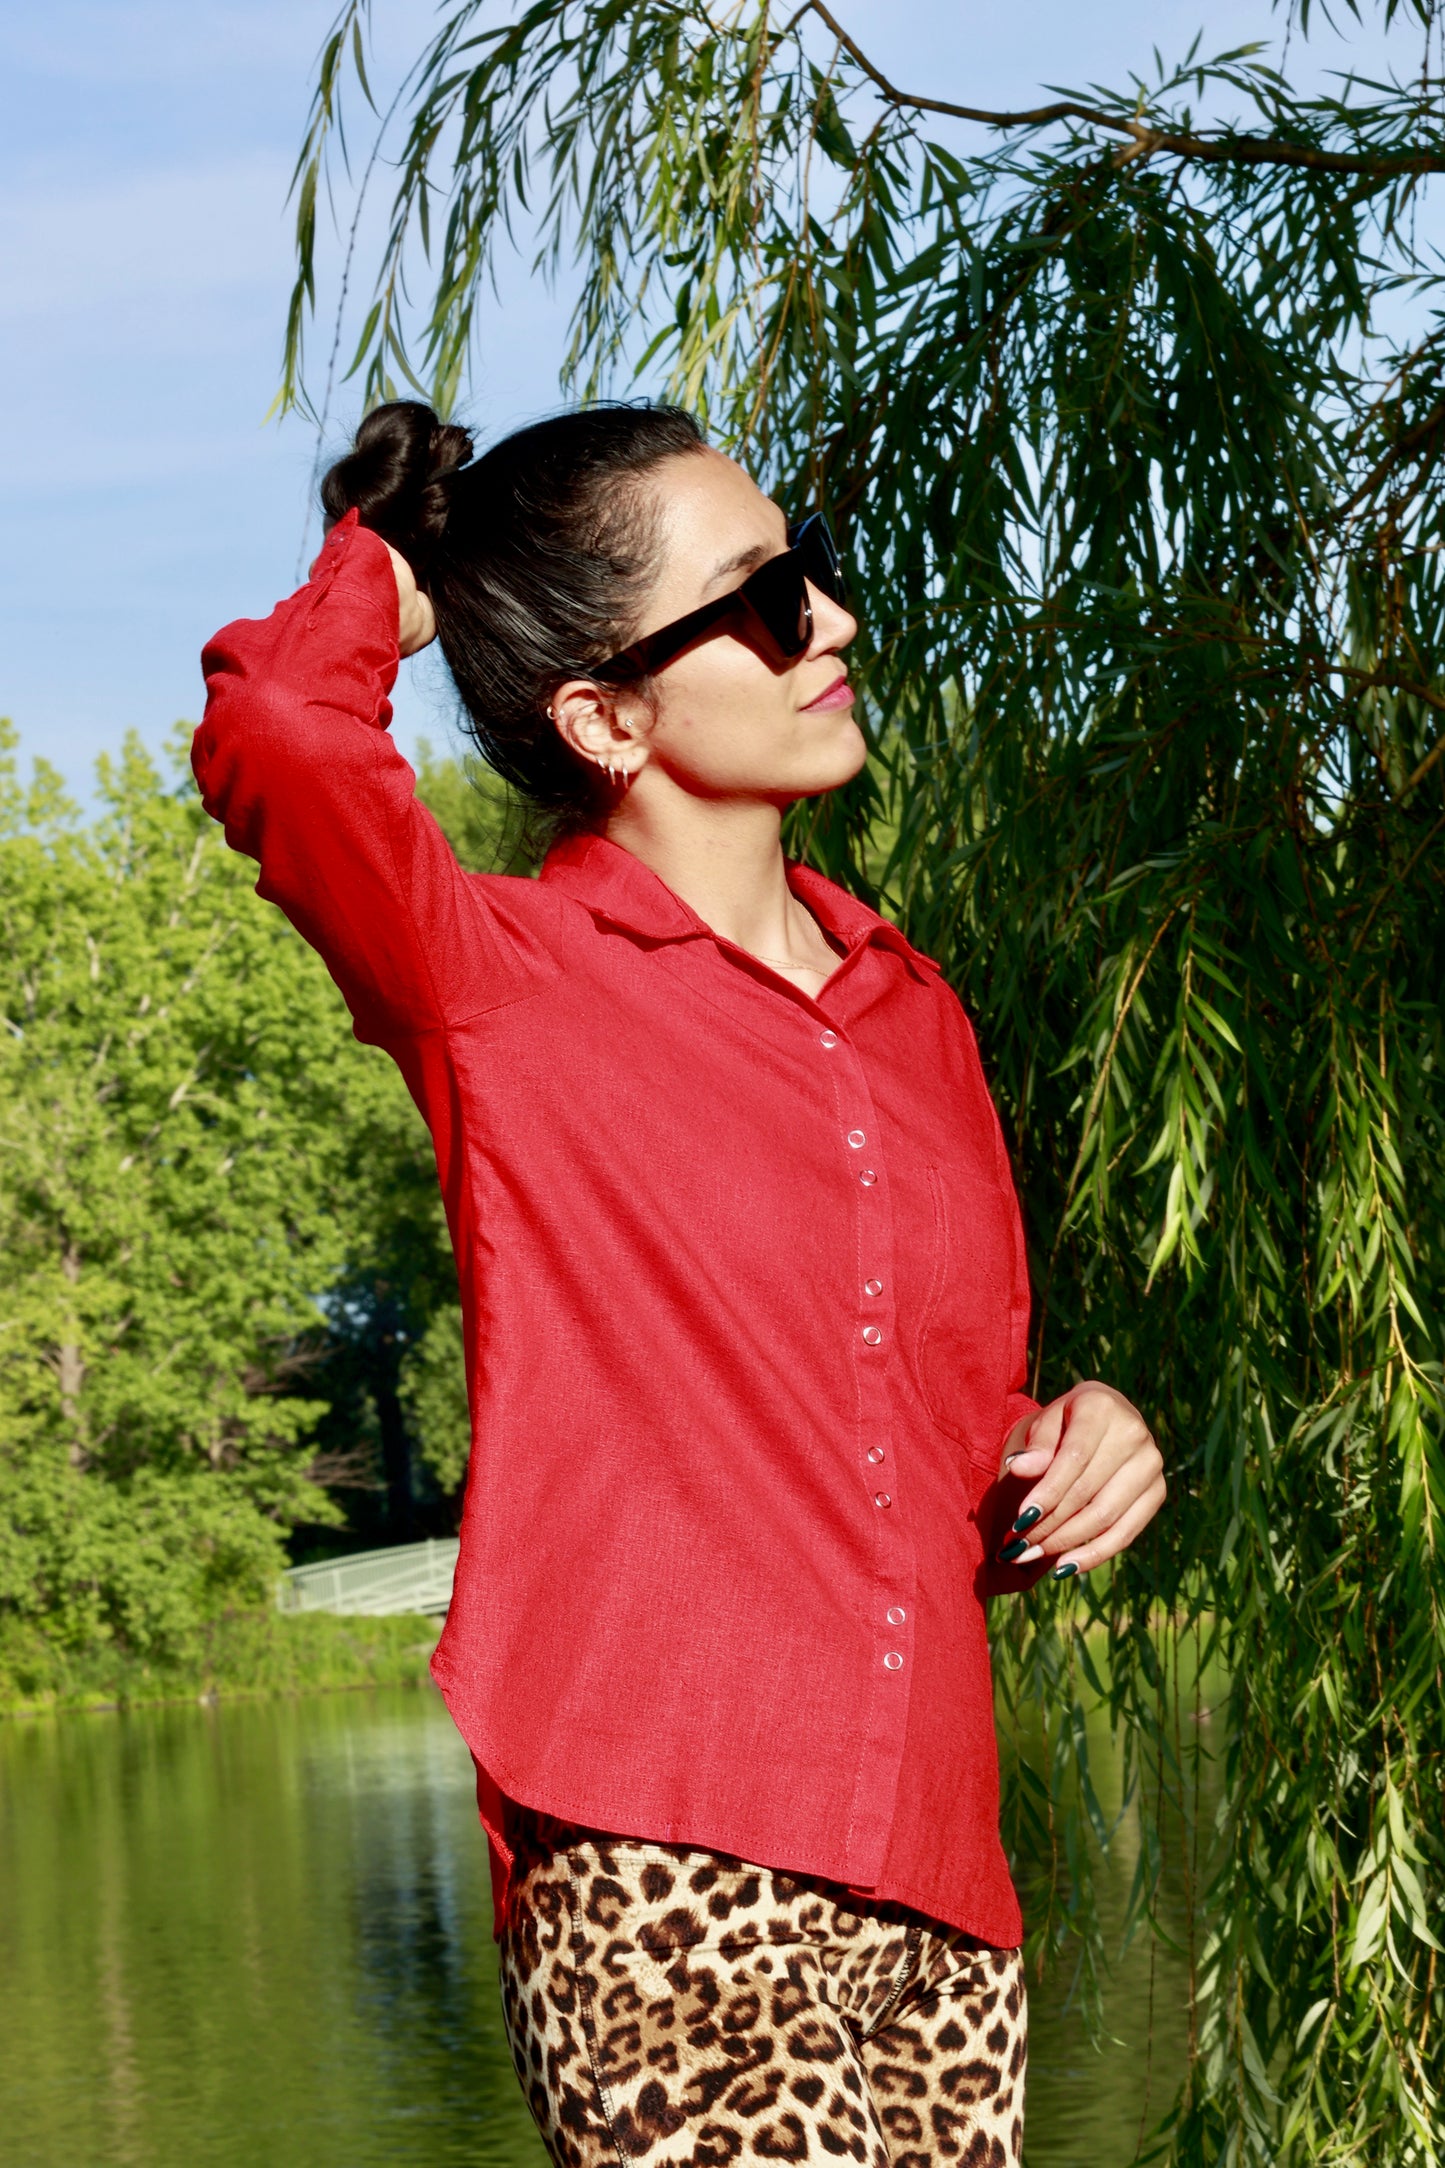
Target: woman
(744,1290)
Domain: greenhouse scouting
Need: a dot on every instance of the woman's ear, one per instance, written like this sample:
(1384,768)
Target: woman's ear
(593,720)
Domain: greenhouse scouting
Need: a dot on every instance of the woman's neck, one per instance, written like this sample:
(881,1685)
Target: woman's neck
(724,857)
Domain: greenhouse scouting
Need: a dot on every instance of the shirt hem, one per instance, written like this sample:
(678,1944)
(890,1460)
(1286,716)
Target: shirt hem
(984,1926)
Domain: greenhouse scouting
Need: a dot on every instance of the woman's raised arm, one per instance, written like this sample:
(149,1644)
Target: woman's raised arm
(294,757)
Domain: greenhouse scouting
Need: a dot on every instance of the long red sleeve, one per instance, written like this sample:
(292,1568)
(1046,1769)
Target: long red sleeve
(295,758)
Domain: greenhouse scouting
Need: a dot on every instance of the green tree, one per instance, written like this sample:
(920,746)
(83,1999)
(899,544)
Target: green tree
(434,1393)
(474,810)
(1132,422)
(203,1181)
(164,1212)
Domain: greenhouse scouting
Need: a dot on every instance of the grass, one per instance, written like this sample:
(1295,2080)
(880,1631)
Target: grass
(245,1655)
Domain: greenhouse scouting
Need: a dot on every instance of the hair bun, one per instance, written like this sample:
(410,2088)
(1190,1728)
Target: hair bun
(397,474)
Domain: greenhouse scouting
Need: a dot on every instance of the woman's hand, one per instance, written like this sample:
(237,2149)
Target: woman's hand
(1101,1480)
(417,619)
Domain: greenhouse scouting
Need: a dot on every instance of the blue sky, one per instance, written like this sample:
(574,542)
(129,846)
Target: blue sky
(144,268)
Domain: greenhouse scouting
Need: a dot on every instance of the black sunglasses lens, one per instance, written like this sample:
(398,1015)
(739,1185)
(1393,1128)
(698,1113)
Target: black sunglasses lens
(813,541)
(778,595)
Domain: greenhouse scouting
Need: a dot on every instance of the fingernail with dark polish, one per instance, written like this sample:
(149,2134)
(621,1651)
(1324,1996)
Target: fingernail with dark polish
(1062,1573)
(1013,1550)
(1027,1518)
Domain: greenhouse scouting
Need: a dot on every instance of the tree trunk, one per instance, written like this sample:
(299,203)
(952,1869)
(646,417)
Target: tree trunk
(70,1369)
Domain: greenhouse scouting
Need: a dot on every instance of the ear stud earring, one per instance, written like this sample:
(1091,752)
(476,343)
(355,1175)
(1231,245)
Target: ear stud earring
(615,771)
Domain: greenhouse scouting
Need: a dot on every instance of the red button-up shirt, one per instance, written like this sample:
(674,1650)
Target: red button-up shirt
(745,1302)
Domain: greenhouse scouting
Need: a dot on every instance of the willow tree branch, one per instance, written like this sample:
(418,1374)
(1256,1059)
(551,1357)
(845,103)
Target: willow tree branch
(1220,150)
(1393,886)
(1432,760)
(1389,681)
(1414,440)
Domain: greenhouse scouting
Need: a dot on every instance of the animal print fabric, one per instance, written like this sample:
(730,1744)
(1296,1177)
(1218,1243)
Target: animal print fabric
(687,2010)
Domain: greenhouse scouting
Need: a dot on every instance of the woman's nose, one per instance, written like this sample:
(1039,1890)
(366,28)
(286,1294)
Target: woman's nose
(833,626)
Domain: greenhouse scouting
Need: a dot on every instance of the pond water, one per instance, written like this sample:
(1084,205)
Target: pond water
(258,1936)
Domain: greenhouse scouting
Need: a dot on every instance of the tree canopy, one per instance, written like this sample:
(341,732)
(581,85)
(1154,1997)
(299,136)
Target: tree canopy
(222,1238)
(1130,412)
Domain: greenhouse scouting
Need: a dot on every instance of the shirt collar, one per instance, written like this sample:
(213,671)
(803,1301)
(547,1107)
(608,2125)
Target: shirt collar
(612,884)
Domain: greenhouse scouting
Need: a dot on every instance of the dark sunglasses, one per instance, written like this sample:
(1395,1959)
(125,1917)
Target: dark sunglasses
(776,595)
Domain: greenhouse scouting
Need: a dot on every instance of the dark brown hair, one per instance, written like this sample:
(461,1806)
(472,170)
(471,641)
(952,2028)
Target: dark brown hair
(537,557)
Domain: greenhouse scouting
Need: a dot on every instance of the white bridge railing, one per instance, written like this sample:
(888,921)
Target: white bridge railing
(373,1584)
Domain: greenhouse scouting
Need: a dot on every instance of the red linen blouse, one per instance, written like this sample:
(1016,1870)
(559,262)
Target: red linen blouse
(745,1301)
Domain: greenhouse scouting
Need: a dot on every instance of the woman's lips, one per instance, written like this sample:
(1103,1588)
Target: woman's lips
(838,695)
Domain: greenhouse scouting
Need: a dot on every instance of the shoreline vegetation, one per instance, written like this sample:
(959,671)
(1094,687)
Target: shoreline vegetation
(244,1656)
(257,1655)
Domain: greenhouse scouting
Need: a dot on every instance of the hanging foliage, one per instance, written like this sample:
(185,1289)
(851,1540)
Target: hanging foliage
(1132,422)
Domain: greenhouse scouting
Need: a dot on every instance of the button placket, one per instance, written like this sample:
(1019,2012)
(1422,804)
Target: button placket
(873,1332)
(874,1335)
(873,1353)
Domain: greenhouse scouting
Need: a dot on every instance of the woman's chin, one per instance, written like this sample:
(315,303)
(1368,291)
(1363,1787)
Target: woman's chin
(846,756)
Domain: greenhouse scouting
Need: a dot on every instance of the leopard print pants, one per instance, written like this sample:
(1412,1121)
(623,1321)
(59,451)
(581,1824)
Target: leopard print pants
(674,2007)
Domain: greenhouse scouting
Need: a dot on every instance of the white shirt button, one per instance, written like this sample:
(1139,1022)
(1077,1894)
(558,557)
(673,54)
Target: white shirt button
(871,1335)
(881,1498)
(857,1139)
(893,1661)
(828,1038)
(896,1614)
(872,1287)
(875,1454)
(867,1177)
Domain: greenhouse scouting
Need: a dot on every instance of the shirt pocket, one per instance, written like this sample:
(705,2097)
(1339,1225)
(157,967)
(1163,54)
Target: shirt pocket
(964,1333)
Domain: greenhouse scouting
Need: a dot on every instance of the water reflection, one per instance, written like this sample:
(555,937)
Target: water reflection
(261,1935)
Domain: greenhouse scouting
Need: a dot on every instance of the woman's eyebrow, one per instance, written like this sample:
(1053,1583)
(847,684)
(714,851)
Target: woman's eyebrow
(745,561)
